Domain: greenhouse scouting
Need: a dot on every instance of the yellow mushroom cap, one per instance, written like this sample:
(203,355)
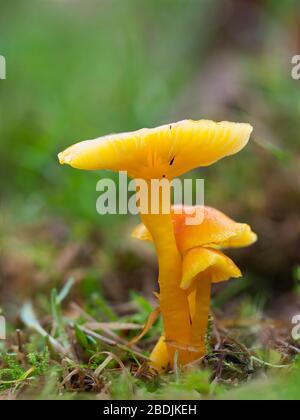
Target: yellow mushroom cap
(215,230)
(200,262)
(169,150)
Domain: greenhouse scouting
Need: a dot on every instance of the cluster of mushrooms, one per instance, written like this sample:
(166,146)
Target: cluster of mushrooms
(189,256)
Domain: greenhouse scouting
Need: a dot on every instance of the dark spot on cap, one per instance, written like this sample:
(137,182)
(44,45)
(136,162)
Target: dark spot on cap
(172,161)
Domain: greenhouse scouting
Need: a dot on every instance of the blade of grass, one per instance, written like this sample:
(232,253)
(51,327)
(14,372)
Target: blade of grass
(65,290)
(150,321)
(30,320)
(113,343)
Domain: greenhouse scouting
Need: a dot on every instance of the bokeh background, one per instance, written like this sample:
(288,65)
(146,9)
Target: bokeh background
(81,69)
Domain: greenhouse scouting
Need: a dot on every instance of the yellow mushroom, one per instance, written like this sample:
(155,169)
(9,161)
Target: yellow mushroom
(203,264)
(163,152)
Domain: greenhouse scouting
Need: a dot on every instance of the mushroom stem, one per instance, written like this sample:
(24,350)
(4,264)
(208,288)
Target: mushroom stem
(173,300)
(192,303)
(159,358)
(201,315)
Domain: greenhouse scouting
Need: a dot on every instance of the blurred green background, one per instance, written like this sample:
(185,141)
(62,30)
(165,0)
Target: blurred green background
(81,69)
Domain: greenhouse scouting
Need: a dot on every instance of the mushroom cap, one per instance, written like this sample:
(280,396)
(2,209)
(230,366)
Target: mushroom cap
(215,231)
(166,151)
(200,262)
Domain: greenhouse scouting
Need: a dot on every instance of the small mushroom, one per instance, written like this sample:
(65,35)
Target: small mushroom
(203,264)
(163,152)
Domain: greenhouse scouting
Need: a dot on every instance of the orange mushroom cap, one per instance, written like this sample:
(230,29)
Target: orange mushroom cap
(200,262)
(215,230)
(198,243)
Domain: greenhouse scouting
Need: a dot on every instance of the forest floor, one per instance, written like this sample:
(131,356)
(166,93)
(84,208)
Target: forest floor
(67,339)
